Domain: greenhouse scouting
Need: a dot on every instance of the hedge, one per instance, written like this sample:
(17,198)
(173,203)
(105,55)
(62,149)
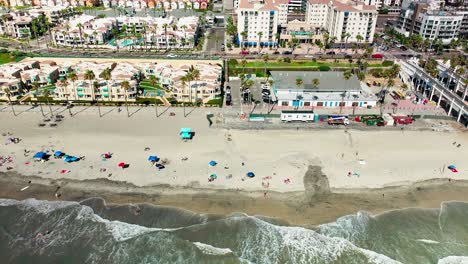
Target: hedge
(387,63)
(218,102)
(324,68)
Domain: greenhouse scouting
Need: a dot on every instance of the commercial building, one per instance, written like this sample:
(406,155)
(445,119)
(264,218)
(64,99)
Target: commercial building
(258,21)
(347,21)
(425,19)
(320,89)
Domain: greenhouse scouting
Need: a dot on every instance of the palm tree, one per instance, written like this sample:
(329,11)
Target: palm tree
(73,77)
(96,89)
(346,75)
(315,82)
(260,34)
(107,75)
(125,85)
(165,34)
(46,93)
(80,27)
(244,37)
(153,82)
(359,38)
(89,75)
(243,63)
(265,60)
(8,94)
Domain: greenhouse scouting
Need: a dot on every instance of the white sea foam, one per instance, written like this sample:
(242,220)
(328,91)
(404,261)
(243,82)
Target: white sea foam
(40,206)
(303,245)
(453,260)
(210,250)
(428,241)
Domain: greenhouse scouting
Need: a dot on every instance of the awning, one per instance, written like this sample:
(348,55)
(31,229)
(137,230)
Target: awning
(105,89)
(105,95)
(80,94)
(79,89)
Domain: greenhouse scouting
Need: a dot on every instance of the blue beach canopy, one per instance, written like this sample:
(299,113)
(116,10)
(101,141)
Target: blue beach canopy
(153,158)
(186,133)
(40,155)
(250,174)
(452,167)
(213,163)
(69,159)
(58,153)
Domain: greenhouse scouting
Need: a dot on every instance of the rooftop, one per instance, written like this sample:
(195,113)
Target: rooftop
(329,81)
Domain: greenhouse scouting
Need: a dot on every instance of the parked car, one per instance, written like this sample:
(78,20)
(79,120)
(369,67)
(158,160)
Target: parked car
(244,52)
(228,99)
(403,48)
(276,52)
(287,52)
(377,56)
(331,53)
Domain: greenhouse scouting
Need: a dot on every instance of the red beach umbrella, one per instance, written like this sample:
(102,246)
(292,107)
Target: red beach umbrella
(121,164)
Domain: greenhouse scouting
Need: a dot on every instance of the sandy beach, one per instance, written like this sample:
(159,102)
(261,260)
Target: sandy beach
(278,158)
(175,63)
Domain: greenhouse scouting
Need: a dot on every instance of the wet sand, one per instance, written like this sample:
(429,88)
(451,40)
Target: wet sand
(314,206)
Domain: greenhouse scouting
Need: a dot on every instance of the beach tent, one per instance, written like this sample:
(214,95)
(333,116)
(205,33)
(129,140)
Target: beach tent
(106,156)
(452,167)
(214,176)
(160,166)
(69,159)
(153,158)
(40,155)
(250,174)
(186,133)
(58,154)
(213,163)
(121,164)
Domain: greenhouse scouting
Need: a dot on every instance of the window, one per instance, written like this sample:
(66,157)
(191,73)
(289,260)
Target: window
(285,103)
(306,103)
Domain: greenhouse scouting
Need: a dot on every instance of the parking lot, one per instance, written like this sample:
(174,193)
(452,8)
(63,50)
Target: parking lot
(251,99)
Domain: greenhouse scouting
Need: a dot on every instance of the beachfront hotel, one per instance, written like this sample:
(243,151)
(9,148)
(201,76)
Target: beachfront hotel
(103,81)
(151,32)
(320,89)
(99,87)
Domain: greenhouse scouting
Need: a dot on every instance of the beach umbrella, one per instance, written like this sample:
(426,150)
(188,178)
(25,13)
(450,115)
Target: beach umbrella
(106,156)
(213,163)
(153,158)
(40,155)
(122,164)
(250,174)
(214,176)
(58,153)
(452,167)
(160,166)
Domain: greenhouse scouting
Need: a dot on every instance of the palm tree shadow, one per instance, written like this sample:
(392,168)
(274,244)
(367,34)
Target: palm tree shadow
(136,111)
(187,114)
(84,109)
(1,110)
(103,114)
(27,110)
(164,111)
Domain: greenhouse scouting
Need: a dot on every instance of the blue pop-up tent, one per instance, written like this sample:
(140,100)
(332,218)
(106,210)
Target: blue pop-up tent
(69,159)
(213,163)
(40,155)
(153,158)
(58,153)
(186,133)
(250,174)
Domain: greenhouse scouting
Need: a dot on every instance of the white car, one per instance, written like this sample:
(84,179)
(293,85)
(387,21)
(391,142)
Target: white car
(308,56)
(171,56)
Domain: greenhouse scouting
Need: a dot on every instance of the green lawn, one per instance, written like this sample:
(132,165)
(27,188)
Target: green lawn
(6,57)
(145,84)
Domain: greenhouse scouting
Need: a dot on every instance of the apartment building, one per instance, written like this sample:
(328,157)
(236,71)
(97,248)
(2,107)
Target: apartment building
(343,20)
(382,3)
(16,25)
(84,30)
(296,6)
(258,21)
(424,19)
(10,78)
(46,74)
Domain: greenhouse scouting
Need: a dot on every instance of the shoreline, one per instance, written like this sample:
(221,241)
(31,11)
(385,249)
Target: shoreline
(292,208)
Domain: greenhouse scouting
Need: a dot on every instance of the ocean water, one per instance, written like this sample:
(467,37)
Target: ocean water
(33,231)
